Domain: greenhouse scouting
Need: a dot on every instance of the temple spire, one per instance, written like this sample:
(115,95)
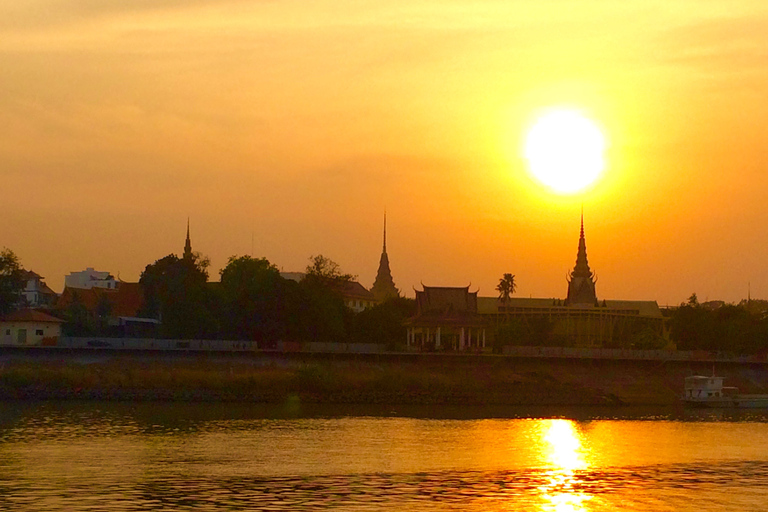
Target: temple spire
(385,232)
(384,286)
(188,244)
(581,281)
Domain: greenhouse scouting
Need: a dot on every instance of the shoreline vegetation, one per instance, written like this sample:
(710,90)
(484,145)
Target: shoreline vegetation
(360,381)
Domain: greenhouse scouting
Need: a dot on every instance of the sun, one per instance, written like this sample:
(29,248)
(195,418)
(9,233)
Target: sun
(565,150)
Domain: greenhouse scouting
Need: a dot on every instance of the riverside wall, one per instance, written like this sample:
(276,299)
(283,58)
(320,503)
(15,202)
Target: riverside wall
(243,373)
(196,345)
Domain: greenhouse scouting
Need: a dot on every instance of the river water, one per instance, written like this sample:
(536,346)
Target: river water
(122,457)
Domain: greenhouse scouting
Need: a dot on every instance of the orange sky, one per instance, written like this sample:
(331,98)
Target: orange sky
(298,123)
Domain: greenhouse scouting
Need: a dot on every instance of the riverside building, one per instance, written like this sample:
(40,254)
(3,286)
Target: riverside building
(582,320)
(457,319)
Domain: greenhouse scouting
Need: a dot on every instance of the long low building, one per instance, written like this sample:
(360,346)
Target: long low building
(611,323)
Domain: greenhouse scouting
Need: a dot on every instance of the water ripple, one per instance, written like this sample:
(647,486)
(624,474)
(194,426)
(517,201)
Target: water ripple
(473,490)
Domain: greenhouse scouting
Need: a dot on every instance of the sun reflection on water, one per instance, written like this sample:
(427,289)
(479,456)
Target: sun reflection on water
(563,450)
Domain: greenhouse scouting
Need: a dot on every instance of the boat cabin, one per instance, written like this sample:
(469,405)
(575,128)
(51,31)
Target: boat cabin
(700,387)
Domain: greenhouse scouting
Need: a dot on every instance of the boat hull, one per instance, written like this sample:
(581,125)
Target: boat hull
(737,402)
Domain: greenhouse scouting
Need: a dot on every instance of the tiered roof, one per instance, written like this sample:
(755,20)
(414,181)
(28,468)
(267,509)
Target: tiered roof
(384,286)
(581,281)
(442,305)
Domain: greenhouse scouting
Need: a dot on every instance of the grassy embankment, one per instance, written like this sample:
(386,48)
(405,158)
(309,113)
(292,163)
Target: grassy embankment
(432,380)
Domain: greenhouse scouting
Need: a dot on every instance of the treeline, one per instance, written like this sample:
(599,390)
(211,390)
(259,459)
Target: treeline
(737,329)
(250,302)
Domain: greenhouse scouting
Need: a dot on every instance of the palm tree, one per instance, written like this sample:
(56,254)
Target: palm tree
(506,288)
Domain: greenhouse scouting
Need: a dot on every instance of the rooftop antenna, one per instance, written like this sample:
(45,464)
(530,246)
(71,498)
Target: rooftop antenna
(251,244)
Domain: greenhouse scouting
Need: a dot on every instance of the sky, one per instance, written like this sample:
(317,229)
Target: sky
(285,129)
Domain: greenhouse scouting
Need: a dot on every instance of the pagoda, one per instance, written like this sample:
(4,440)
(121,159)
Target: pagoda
(187,245)
(581,281)
(384,286)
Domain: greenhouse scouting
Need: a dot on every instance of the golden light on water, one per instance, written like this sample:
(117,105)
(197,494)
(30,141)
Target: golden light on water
(565,151)
(562,448)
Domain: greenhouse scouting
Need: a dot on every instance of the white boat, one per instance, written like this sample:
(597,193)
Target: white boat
(702,391)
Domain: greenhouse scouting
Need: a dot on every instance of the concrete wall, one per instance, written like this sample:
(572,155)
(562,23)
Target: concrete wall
(214,345)
(374,348)
(629,354)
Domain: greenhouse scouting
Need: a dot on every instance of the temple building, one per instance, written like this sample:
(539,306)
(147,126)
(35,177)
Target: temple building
(384,286)
(581,319)
(446,319)
(581,282)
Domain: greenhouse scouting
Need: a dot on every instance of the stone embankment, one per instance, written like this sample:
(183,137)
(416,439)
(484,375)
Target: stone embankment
(381,379)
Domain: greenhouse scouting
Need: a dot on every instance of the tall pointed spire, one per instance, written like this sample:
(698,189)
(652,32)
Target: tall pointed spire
(581,281)
(188,244)
(384,286)
(385,232)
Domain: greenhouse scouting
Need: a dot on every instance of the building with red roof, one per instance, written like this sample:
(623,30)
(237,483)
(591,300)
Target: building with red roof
(27,327)
(446,319)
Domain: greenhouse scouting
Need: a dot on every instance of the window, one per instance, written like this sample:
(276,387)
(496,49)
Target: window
(7,332)
(38,332)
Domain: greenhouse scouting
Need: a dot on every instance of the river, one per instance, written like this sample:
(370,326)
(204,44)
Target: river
(127,457)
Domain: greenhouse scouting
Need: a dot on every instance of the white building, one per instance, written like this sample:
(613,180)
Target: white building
(29,327)
(293,276)
(90,278)
(36,293)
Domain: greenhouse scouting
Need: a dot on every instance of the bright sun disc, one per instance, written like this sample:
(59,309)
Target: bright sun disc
(564,150)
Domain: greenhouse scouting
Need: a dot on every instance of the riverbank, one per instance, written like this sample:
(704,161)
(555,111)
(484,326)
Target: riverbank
(458,380)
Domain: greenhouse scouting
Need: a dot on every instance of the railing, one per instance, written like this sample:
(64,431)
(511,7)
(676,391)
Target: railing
(136,344)
(631,354)
(132,344)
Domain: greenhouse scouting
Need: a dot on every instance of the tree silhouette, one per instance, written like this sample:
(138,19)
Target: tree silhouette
(506,288)
(254,298)
(176,292)
(11,281)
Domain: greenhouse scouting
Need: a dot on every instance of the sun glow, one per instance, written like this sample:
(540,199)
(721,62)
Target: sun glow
(565,150)
(563,449)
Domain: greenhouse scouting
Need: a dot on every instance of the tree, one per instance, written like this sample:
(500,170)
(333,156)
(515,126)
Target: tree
(692,327)
(103,312)
(506,288)
(323,315)
(256,300)
(384,323)
(77,319)
(648,339)
(511,332)
(11,281)
(326,271)
(176,292)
